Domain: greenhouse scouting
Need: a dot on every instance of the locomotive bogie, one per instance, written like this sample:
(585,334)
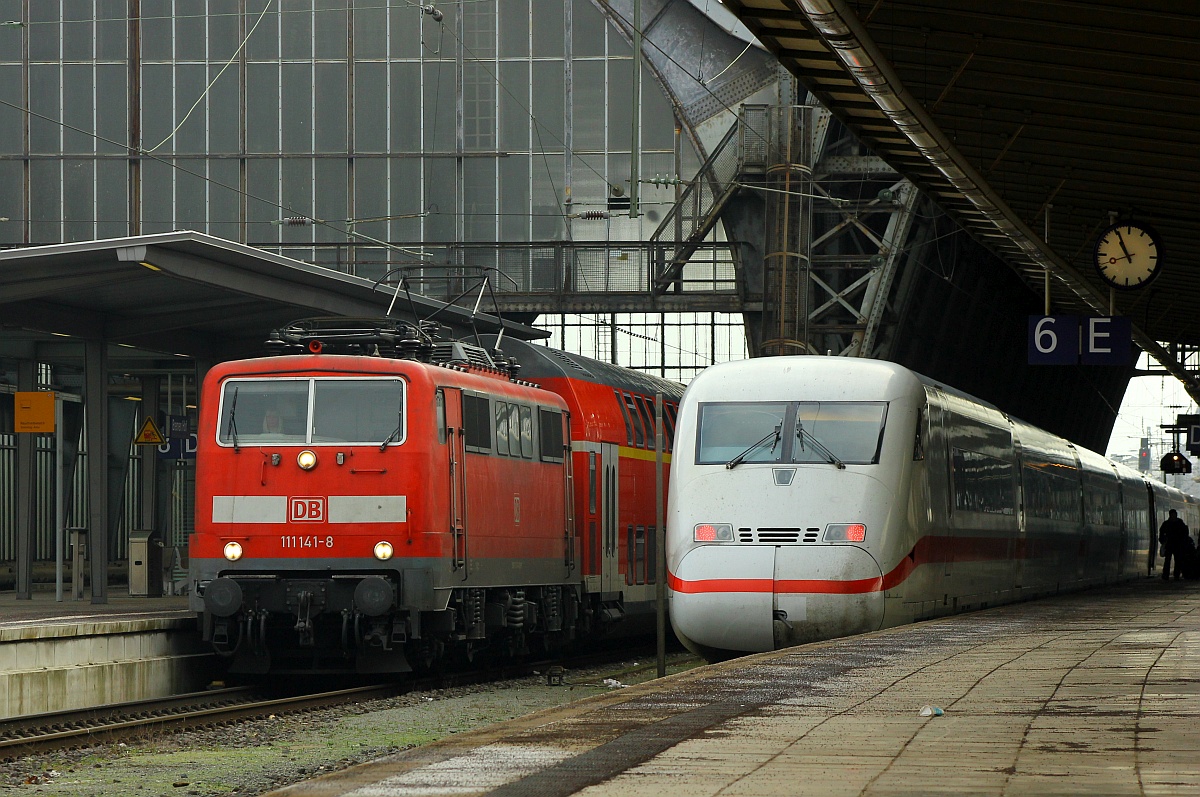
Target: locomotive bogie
(962,507)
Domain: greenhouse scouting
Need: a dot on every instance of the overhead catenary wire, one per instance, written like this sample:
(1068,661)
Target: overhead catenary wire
(212,82)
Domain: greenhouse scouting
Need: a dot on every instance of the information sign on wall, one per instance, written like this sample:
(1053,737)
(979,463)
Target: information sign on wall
(33,411)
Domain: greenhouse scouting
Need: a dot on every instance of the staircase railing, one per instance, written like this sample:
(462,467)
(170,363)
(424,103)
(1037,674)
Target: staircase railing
(693,217)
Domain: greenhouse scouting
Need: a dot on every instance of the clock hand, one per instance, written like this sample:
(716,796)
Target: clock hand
(1121,241)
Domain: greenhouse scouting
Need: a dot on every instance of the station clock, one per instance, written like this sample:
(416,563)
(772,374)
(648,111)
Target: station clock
(1128,255)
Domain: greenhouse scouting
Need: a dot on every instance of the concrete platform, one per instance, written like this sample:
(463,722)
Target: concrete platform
(1096,693)
(76,654)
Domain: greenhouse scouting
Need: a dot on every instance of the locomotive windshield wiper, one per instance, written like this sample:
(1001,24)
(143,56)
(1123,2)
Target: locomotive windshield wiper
(820,447)
(395,433)
(232,429)
(733,463)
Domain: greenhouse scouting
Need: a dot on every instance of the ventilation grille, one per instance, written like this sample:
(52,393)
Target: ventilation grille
(768,535)
(456,352)
(570,362)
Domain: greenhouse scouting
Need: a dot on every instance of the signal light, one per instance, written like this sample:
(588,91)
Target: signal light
(233,551)
(713,532)
(1175,462)
(383,550)
(307,459)
(845,532)
(315,346)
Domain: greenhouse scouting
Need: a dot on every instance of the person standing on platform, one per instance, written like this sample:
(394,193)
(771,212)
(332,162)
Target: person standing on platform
(1173,534)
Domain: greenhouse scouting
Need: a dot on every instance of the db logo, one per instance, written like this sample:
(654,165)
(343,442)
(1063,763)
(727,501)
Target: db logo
(306,510)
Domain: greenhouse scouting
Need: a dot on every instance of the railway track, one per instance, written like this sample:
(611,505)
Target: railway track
(41,733)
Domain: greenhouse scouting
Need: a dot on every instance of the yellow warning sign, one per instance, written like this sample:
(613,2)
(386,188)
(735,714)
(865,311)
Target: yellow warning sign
(150,435)
(34,411)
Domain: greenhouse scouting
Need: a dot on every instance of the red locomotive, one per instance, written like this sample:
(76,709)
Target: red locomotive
(373,497)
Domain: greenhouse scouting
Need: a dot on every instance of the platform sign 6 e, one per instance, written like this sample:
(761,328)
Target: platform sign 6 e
(1053,339)
(1107,340)
(1068,339)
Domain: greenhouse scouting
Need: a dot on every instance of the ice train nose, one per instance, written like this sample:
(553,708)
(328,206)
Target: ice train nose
(755,598)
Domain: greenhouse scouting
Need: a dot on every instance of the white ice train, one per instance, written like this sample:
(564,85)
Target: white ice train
(816,497)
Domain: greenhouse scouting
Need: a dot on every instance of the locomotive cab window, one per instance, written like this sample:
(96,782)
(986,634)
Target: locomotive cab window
(357,411)
(303,411)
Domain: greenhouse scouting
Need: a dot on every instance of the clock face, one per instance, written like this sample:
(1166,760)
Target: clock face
(1128,255)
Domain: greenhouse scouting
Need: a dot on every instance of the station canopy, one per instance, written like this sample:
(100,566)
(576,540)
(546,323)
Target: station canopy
(186,295)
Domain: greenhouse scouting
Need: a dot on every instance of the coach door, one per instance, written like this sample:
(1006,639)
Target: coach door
(1020,546)
(1152,515)
(452,430)
(610,580)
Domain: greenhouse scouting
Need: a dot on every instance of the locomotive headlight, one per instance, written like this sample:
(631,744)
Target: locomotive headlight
(713,532)
(383,550)
(845,532)
(307,459)
(233,551)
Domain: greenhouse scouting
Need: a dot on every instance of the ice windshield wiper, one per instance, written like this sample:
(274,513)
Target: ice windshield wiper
(820,447)
(733,463)
(232,427)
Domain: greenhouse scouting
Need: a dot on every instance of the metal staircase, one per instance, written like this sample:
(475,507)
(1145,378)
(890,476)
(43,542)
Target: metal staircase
(686,226)
(830,243)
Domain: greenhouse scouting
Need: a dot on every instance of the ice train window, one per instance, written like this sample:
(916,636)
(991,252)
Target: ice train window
(982,483)
(729,430)
(853,431)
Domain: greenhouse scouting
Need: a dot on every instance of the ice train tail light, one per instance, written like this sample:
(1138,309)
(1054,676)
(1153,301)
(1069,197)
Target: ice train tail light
(845,532)
(713,532)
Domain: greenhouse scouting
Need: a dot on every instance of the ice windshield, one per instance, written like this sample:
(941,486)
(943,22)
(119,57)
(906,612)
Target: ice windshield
(812,431)
(729,430)
(851,431)
(311,411)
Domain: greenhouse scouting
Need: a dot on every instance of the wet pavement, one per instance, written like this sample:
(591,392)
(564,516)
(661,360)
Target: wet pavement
(1091,693)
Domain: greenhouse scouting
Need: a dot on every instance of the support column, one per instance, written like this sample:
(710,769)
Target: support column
(96,420)
(151,392)
(26,445)
(203,366)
